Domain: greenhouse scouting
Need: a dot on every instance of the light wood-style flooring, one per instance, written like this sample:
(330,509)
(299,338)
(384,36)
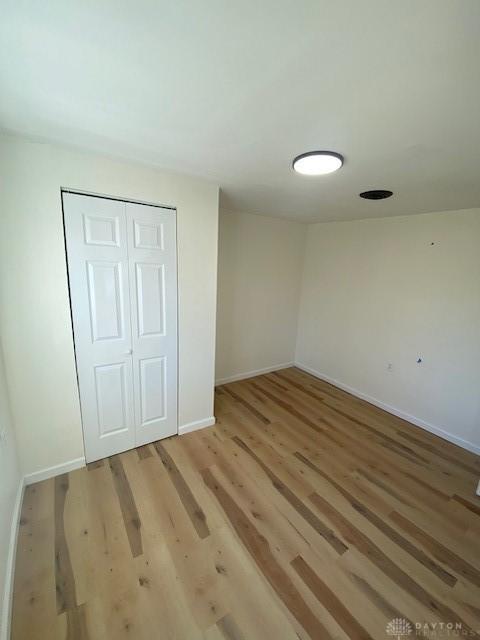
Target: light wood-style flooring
(303,513)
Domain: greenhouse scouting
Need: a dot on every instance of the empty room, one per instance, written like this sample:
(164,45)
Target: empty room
(239,320)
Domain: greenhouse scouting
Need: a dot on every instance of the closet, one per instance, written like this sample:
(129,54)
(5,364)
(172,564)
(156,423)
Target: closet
(122,271)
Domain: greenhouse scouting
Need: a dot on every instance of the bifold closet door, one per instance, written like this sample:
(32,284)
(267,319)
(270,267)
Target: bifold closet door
(153,303)
(123,291)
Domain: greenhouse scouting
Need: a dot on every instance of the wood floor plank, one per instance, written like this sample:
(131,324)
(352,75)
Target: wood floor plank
(468,504)
(256,612)
(412,487)
(91,466)
(438,451)
(385,421)
(375,555)
(229,628)
(64,578)
(34,612)
(259,549)
(131,518)
(274,517)
(452,560)
(289,408)
(161,599)
(384,527)
(144,452)
(387,608)
(296,503)
(77,523)
(76,624)
(194,510)
(388,598)
(330,601)
(248,405)
(111,608)
(167,526)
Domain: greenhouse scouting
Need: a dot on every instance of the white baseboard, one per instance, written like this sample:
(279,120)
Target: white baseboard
(6,616)
(252,374)
(194,426)
(465,444)
(51,472)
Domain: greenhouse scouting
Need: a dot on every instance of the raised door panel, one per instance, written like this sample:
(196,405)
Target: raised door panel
(150,290)
(105,286)
(148,235)
(111,395)
(101,230)
(153,392)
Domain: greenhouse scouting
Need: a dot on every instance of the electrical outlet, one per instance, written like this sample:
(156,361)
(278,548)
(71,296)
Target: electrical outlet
(3,436)
(389,366)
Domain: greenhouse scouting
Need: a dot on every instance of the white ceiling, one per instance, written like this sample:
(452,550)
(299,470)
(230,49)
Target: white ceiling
(233,89)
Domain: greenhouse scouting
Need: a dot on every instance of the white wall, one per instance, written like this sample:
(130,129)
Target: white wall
(34,303)
(260,263)
(377,292)
(10,480)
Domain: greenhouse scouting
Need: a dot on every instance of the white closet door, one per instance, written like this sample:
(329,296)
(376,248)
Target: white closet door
(122,276)
(153,288)
(97,249)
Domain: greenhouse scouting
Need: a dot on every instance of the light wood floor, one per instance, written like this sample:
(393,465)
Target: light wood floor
(304,513)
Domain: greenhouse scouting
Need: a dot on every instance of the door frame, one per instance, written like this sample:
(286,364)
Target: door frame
(92,194)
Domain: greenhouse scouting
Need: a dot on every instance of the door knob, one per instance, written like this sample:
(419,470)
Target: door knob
(129,352)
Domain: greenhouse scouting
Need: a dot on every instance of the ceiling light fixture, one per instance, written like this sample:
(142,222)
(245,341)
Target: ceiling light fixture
(317,163)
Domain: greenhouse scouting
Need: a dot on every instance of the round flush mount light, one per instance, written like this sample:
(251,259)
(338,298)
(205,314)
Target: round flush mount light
(317,163)
(376,194)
